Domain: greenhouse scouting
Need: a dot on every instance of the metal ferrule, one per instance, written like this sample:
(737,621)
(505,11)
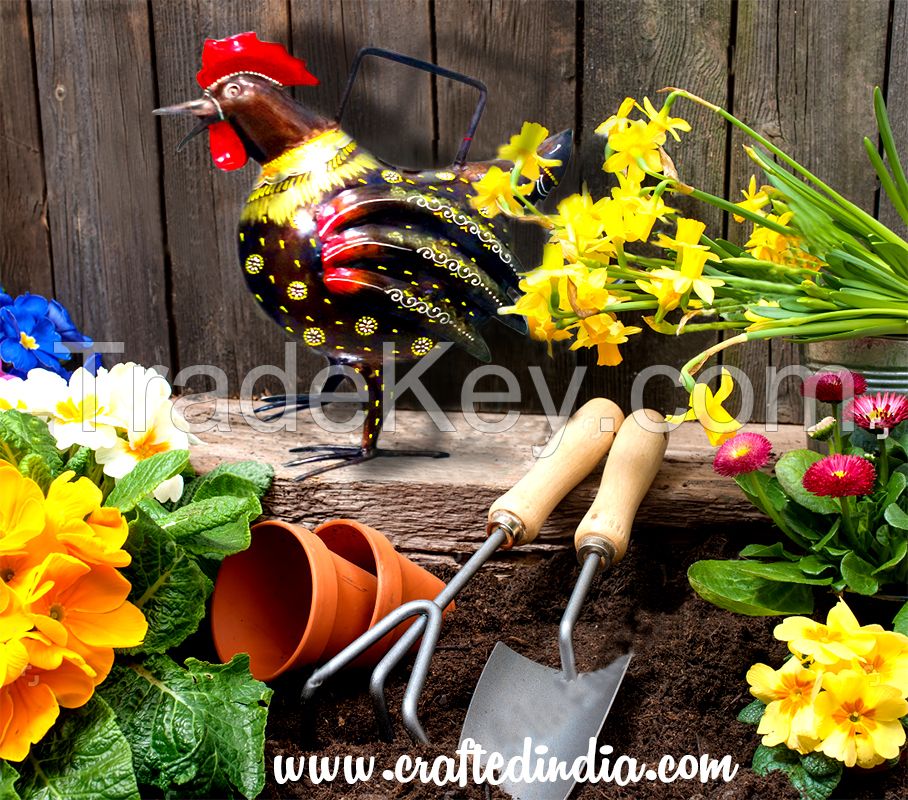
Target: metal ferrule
(510,524)
(601,547)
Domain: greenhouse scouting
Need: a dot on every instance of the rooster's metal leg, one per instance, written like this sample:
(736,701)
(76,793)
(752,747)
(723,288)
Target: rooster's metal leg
(348,455)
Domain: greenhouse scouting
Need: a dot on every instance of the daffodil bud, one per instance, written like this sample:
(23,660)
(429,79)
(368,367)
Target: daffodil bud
(823,430)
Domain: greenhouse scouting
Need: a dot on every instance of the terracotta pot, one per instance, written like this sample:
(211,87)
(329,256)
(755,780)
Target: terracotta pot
(288,601)
(399,579)
(297,597)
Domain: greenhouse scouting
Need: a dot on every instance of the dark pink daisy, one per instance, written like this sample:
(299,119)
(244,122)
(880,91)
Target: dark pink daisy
(743,453)
(880,411)
(833,387)
(840,476)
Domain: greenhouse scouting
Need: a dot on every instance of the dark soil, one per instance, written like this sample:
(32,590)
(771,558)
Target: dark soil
(681,694)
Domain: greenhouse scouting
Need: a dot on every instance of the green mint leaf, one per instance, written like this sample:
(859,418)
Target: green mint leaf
(194,731)
(167,586)
(145,478)
(84,756)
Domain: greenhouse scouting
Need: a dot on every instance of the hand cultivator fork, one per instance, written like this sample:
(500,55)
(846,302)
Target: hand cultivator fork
(514,519)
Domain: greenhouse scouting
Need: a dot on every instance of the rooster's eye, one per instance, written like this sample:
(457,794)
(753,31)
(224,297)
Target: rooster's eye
(232,90)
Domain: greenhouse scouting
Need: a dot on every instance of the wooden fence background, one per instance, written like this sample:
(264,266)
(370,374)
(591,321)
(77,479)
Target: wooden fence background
(100,210)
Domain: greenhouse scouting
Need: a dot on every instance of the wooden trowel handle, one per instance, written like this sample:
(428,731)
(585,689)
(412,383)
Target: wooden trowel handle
(570,455)
(629,471)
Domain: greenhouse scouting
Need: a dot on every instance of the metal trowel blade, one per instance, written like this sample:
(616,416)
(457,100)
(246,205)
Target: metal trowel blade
(517,698)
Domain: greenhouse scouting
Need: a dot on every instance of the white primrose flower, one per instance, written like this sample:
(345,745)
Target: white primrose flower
(137,395)
(77,412)
(12,395)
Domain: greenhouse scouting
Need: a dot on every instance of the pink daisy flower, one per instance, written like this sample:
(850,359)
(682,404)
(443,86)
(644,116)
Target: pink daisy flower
(833,387)
(881,411)
(840,476)
(743,453)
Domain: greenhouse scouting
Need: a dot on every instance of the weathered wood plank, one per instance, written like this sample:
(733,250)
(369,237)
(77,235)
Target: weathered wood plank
(525,52)
(96,93)
(217,321)
(897,101)
(439,506)
(804,71)
(25,263)
(636,48)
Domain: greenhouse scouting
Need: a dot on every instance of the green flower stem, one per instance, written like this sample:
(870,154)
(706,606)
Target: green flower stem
(619,253)
(749,283)
(866,218)
(515,177)
(757,490)
(848,522)
(632,305)
(835,446)
(884,461)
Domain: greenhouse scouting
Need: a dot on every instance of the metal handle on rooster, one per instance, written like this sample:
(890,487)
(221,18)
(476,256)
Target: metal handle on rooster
(425,66)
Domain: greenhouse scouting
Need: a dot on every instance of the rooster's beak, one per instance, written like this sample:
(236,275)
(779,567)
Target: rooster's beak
(203,108)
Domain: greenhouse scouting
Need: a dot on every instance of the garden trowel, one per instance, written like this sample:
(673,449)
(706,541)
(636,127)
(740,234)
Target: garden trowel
(520,706)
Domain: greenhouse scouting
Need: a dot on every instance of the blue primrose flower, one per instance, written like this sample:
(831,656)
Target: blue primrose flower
(32,330)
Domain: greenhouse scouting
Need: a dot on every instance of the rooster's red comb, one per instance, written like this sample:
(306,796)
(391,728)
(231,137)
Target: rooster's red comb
(245,53)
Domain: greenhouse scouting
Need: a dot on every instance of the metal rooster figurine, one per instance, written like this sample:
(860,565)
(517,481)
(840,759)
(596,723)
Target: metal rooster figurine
(346,252)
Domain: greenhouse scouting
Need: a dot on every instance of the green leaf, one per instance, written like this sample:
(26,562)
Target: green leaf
(8,778)
(858,574)
(770,486)
(145,478)
(811,787)
(22,435)
(84,756)
(216,527)
(194,731)
(35,467)
(790,470)
(775,550)
(752,713)
(819,765)
(900,621)
(898,554)
(736,586)
(814,565)
(80,462)
(896,486)
(260,475)
(896,517)
(167,586)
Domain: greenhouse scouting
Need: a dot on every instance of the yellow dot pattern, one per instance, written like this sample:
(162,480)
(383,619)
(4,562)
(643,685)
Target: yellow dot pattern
(314,336)
(422,346)
(297,290)
(391,176)
(366,326)
(445,176)
(254,264)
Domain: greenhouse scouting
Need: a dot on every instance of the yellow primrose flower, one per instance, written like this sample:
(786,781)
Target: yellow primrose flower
(605,332)
(789,693)
(754,200)
(618,121)
(523,147)
(887,662)
(494,193)
(840,639)
(21,510)
(858,719)
(706,407)
(639,141)
(661,120)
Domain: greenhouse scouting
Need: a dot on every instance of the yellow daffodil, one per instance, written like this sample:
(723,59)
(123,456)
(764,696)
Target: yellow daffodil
(858,719)
(661,120)
(663,289)
(494,193)
(789,693)
(618,121)
(523,147)
(579,227)
(706,407)
(588,292)
(840,639)
(638,142)
(605,332)
(754,199)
